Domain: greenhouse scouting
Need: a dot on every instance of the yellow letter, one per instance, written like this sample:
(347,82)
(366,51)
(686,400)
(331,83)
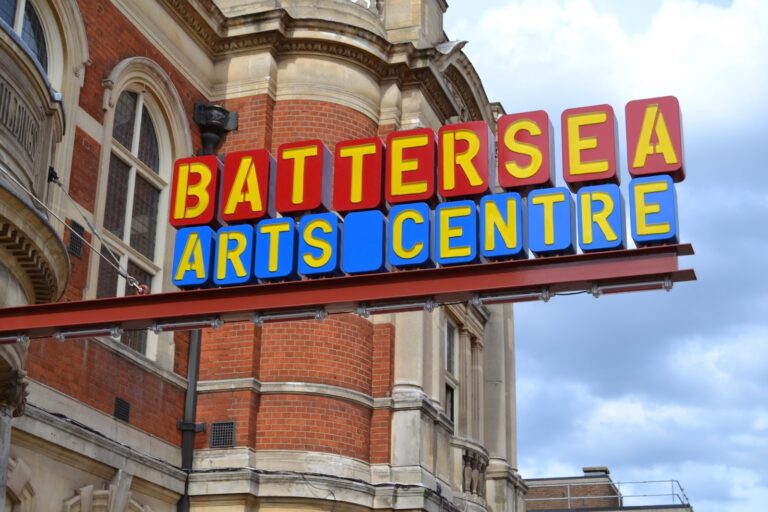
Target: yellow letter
(642,210)
(576,144)
(317,243)
(397,234)
(274,230)
(184,189)
(246,175)
(463,160)
(523,148)
(399,166)
(356,180)
(233,255)
(299,156)
(653,120)
(495,222)
(447,232)
(588,217)
(191,259)
(549,200)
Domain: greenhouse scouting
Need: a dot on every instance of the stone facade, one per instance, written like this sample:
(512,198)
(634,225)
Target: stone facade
(345,413)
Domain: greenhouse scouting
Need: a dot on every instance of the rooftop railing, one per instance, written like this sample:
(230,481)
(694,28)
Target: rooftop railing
(605,493)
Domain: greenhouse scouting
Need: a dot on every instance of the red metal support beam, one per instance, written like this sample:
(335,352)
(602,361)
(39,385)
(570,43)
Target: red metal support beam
(613,271)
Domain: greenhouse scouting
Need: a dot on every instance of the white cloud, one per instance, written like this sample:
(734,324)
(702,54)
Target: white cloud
(714,58)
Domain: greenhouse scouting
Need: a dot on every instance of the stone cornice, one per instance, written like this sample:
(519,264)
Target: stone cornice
(294,388)
(277,32)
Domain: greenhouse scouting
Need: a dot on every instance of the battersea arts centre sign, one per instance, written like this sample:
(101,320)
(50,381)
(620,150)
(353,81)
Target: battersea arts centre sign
(424,200)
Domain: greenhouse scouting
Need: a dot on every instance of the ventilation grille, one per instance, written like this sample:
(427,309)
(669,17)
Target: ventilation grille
(122,409)
(75,247)
(223,434)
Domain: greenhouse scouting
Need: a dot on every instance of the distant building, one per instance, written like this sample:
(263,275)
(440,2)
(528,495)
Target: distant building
(398,412)
(595,490)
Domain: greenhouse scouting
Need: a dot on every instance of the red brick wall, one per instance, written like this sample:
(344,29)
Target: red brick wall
(255,118)
(85,170)
(336,351)
(87,371)
(296,120)
(78,267)
(239,406)
(555,497)
(383,359)
(383,366)
(232,352)
(314,423)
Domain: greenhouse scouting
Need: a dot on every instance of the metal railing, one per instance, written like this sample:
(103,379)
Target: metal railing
(622,494)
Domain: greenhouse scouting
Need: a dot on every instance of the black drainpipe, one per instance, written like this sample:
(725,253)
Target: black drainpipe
(214,123)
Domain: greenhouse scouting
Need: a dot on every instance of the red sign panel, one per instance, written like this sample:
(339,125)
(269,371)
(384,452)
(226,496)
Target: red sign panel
(358,175)
(410,171)
(245,185)
(589,146)
(464,160)
(525,148)
(303,181)
(654,137)
(193,191)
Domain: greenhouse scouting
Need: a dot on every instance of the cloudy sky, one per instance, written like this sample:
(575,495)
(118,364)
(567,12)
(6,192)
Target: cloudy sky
(654,385)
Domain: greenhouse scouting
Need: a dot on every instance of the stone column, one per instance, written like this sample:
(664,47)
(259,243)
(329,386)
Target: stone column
(13,394)
(465,383)
(477,422)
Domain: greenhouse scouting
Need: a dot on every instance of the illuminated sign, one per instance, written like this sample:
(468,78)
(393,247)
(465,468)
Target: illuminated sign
(425,199)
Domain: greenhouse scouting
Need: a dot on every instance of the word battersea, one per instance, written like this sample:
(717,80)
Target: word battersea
(421,200)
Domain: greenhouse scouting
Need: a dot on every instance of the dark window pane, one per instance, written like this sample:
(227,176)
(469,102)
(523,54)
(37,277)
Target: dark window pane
(7,11)
(450,347)
(449,401)
(148,152)
(117,195)
(144,221)
(33,36)
(137,340)
(125,115)
(107,283)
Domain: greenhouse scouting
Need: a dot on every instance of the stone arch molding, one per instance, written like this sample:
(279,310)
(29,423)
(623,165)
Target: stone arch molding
(146,73)
(116,497)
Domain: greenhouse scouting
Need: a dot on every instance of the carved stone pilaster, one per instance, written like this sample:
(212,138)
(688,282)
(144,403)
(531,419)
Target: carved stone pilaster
(13,392)
(473,472)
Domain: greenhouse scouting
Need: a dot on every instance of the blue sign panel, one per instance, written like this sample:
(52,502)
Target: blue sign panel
(653,210)
(319,244)
(192,256)
(501,226)
(276,256)
(408,234)
(551,222)
(234,255)
(602,222)
(455,232)
(363,242)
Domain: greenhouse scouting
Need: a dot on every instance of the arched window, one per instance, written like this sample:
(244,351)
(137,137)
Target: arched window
(145,131)
(132,202)
(22,15)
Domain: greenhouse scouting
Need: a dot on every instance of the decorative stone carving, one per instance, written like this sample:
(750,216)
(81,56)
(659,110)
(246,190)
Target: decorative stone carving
(473,471)
(116,497)
(13,392)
